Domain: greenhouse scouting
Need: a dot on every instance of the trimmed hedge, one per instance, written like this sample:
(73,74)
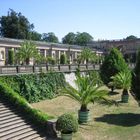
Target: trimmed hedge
(14,98)
(35,87)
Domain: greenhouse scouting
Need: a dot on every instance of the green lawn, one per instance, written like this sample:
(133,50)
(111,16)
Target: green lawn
(107,123)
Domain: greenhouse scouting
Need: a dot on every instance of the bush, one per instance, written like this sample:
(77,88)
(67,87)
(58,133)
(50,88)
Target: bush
(66,123)
(63,59)
(51,60)
(10,57)
(112,64)
(35,87)
(136,78)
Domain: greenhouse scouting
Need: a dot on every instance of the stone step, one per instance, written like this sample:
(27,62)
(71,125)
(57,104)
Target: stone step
(19,134)
(38,138)
(7,114)
(5,111)
(3,108)
(33,136)
(11,123)
(13,126)
(14,130)
(9,120)
(8,117)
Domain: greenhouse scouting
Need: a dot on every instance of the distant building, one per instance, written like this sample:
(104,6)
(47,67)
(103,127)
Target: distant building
(129,48)
(53,50)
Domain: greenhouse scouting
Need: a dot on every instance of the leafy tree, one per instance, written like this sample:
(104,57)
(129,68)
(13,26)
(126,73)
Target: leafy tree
(131,37)
(15,25)
(63,59)
(136,79)
(26,51)
(78,38)
(83,38)
(69,38)
(34,36)
(50,37)
(112,64)
(10,57)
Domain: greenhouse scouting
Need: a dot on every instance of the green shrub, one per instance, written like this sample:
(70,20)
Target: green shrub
(66,123)
(112,64)
(35,87)
(51,60)
(19,102)
(63,59)
(10,57)
(136,78)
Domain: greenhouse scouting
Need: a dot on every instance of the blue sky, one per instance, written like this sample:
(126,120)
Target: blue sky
(103,19)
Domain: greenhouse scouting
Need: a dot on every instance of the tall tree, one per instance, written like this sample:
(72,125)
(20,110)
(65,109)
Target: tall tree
(83,38)
(15,25)
(35,36)
(69,38)
(112,64)
(50,37)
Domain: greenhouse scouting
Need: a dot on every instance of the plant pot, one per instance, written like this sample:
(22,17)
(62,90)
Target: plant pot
(66,136)
(83,116)
(125,98)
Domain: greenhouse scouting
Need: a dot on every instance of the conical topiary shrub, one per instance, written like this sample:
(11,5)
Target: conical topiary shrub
(136,79)
(112,64)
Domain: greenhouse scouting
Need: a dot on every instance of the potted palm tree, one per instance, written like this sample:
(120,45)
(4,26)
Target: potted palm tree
(68,125)
(85,92)
(123,80)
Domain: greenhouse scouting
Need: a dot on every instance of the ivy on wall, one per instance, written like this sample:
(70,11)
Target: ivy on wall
(35,87)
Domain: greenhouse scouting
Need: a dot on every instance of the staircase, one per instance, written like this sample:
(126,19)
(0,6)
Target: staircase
(14,125)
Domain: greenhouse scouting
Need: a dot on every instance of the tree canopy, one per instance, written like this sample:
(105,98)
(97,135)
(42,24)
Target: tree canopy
(50,37)
(131,37)
(69,38)
(77,39)
(15,25)
(83,38)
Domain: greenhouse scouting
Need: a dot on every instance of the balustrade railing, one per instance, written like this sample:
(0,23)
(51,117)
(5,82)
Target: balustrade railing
(46,68)
(5,70)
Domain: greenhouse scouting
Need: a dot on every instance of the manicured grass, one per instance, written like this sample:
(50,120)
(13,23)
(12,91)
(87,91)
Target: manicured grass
(108,123)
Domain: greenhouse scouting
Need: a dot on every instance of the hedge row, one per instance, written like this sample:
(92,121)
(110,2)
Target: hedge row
(35,87)
(14,98)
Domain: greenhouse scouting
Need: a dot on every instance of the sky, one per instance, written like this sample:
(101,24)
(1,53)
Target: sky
(103,19)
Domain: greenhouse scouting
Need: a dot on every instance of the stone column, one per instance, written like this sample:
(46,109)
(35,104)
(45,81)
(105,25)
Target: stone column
(45,53)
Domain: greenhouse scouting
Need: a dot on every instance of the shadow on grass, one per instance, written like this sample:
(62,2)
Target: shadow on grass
(122,119)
